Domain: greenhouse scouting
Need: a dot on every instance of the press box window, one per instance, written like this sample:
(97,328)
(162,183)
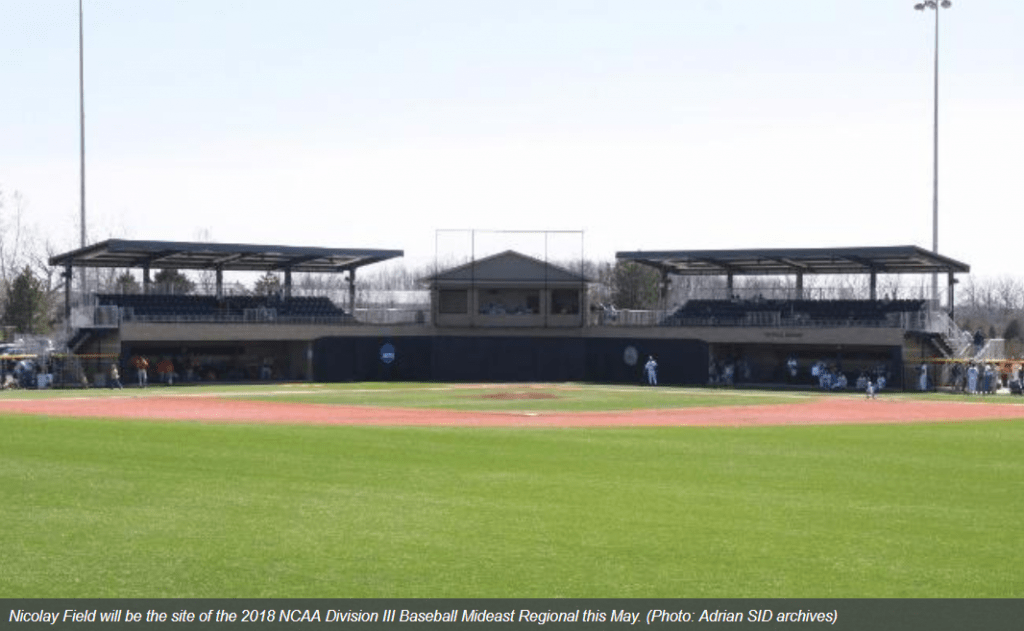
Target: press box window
(453,301)
(565,302)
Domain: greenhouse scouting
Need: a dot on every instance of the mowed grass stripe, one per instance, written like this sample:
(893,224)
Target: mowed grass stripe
(530,397)
(114,509)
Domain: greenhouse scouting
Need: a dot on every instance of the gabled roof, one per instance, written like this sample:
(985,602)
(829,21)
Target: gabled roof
(903,259)
(115,253)
(507,268)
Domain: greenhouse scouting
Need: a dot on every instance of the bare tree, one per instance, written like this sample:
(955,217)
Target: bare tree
(11,235)
(207,278)
(1008,292)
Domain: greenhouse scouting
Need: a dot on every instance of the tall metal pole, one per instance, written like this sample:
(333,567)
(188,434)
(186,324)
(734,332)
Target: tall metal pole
(935,164)
(937,6)
(81,122)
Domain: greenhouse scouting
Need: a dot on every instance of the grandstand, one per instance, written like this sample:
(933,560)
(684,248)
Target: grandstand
(218,336)
(869,335)
(510,317)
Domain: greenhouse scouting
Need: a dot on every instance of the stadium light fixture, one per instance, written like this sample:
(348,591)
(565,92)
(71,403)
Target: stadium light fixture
(921,6)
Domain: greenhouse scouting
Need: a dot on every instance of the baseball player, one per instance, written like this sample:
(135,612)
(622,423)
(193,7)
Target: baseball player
(651,369)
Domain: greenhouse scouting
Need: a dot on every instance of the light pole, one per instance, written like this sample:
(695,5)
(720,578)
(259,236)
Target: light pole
(921,6)
(81,127)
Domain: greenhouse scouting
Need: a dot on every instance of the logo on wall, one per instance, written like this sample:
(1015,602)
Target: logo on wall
(387,353)
(630,356)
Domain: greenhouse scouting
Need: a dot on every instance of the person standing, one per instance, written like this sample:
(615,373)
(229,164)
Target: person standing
(988,379)
(651,369)
(972,379)
(115,377)
(142,367)
(166,369)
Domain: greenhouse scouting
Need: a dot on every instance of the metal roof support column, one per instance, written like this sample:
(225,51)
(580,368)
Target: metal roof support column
(287,283)
(665,283)
(68,273)
(799,285)
(145,279)
(220,283)
(952,281)
(352,292)
(874,285)
(728,284)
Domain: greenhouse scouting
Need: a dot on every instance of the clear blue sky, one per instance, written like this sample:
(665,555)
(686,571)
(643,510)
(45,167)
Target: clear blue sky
(650,124)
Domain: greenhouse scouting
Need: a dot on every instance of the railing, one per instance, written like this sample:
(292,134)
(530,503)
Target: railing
(113,316)
(791,322)
(627,317)
(960,342)
(384,315)
(220,318)
(767,319)
(96,317)
(994,348)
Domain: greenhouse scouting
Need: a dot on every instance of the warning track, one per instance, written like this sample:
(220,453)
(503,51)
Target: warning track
(204,408)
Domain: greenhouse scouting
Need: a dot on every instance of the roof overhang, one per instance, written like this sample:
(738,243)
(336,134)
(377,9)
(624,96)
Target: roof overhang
(120,253)
(907,259)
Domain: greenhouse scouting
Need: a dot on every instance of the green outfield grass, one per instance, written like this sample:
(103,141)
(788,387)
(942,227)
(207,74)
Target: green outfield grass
(139,509)
(516,397)
(526,397)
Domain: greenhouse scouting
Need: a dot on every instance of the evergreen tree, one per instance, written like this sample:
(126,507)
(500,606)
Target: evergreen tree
(126,284)
(26,306)
(635,286)
(267,285)
(1013,330)
(172,281)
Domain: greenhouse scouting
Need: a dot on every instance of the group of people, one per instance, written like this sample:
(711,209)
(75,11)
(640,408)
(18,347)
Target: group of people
(165,368)
(985,378)
(24,373)
(728,372)
(831,378)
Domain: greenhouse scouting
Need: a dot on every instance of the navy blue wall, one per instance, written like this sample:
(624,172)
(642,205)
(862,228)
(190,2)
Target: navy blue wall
(503,359)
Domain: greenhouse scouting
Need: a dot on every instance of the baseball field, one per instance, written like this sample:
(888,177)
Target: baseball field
(541,490)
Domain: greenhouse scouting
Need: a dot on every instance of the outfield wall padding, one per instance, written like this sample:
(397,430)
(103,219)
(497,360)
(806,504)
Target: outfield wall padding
(506,359)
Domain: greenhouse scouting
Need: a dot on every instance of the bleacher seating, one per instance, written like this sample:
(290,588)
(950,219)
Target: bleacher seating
(792,312)
(198,308)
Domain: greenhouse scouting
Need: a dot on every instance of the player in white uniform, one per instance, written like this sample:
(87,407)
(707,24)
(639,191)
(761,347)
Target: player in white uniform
(651,369)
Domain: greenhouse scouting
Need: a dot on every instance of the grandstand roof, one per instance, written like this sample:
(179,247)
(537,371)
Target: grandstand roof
(903,259)
(226,256)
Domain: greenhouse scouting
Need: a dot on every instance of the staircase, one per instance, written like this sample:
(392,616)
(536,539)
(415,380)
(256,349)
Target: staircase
(950,340)
(80,337)
(994,348)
